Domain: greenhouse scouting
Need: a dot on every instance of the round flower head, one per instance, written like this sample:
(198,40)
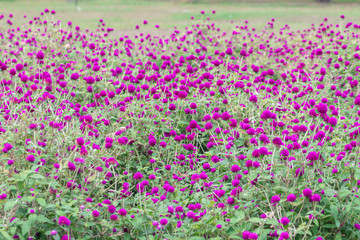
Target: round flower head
(291,197)
(64,221)
(95,213)
(253,236)
(284,221)
(275,199)
(122,212)
(138,176)
(312,156)
(284,235)
(357,226)
(30,158)
(235,168)
(307,192)
(316,198)
(114,217)
(246,234)
(163,221)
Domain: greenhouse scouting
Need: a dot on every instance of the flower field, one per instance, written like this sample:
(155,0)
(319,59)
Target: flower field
(200,134)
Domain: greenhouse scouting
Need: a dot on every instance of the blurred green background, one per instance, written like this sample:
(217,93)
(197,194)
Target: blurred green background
(124,15)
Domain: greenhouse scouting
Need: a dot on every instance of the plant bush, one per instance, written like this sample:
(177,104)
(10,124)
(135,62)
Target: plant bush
(201,134)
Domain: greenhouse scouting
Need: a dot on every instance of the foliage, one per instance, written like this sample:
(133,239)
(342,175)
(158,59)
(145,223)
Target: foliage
(197,135)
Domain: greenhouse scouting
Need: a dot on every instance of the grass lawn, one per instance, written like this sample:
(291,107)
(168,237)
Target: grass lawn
(124,15)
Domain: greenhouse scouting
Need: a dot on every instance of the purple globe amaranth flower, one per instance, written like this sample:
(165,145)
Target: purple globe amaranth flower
(122,212)
(284,221)
(246,234)
(275,199)
(152,141)
(138,176)
(284,235)
(235,168)
(322,108)
(277,141)
(65,237)
(253,236)
(95,213)
(291,197)
(30,158)
(64,221)
(316,198)
(312,156)
(253,98)
(40,55)
(163,221)
(357,226)
(307,192)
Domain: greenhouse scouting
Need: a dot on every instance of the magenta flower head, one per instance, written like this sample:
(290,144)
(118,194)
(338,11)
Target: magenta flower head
(275,199)
(357,226)
(80,141)
(95,213)
(30,158)
(291,197)
(152,141)
(235,168)
(182,94)
(65,237)
(64,221)
(163,221)
(284,235)
(122,212)
(312,156)
(40,55)
(138,176)
(284,221)
(253,98)
(316,198)
(307,192)
(253,236)
(245,235)
(357,100)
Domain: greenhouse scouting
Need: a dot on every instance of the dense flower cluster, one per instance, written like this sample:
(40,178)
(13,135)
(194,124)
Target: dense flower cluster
(248,134)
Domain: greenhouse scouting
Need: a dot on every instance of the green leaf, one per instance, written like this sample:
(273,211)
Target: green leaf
(240,215)
(41,201)
(5,235)
(234,237)
(9,205)
(37,176)
(334,211)
(344,193)
(196,238)
(338,236)
(42,219)
(328,226)
(337,222)
(328,192)
(255,220)
(26,227)
(272,222)
(32,218)
(50,207)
